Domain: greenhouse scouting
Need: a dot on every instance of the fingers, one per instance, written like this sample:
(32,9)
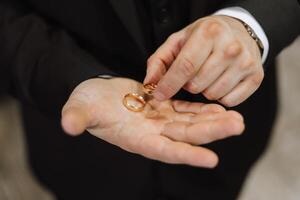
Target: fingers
(225,83)
(236,66)
(246,74)
(207,74)
(206,128)
(190,107)
(239,94)
(163,149)
(216,56)
(215,65)
(164,56)
(186,111)
(186,65)
(75,117)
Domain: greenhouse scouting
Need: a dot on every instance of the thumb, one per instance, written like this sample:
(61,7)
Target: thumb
(75,117)
(161,60)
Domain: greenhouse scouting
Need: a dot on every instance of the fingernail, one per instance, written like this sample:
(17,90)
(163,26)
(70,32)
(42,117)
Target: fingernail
(159,96)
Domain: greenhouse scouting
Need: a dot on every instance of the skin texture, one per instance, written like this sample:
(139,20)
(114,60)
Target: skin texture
(214,56)
(167,131)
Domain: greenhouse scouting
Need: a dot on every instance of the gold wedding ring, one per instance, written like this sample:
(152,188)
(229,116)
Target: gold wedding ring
(149,88)
(135,102)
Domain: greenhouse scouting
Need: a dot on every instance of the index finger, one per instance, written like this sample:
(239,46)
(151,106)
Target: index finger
(163,57)
(193,54)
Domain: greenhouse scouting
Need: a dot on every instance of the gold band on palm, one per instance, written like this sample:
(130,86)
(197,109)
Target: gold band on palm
(135,102)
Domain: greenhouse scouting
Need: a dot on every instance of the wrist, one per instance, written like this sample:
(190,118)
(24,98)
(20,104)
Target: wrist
(246,17)
(244,29)
(253,35)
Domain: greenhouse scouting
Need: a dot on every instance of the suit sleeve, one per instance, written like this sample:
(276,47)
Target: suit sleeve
(40,63)
(279,19)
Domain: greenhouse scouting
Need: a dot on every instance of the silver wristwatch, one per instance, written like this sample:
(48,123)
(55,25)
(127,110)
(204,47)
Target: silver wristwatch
(254,36)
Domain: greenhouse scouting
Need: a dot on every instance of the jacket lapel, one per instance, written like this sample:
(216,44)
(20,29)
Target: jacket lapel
(127,13)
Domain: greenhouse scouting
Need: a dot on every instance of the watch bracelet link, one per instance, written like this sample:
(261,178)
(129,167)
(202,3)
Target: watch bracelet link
(254,37)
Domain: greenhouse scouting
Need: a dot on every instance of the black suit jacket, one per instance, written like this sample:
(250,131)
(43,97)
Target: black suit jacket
(49,47)
(42,41)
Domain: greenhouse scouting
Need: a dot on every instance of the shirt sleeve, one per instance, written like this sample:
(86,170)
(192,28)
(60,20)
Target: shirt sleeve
(245,16)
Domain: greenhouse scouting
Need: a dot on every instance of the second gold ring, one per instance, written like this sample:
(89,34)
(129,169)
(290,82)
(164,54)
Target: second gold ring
(134,102)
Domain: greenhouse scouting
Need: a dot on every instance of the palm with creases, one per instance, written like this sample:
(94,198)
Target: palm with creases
(167,131)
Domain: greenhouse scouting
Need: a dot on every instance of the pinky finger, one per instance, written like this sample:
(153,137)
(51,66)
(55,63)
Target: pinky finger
(241,92)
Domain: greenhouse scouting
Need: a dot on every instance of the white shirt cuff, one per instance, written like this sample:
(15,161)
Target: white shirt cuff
(245,16)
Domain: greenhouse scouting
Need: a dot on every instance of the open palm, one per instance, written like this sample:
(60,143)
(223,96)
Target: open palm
(167,131)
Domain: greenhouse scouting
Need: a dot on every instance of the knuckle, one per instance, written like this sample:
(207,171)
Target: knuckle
(176,40)
(247,63)
(213,27)
(154,62)
(192,87)
(198,24)
(187,67)
(150,60)
(223,84)
(233,49)
(168,88)
(210,95)
(180,156)
(172,37)
(216,108)
(227,102)
(217,89)
(257,79)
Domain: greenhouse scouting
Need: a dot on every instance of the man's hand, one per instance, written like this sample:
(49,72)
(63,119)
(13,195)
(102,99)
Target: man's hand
(170,135)
(215,56)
